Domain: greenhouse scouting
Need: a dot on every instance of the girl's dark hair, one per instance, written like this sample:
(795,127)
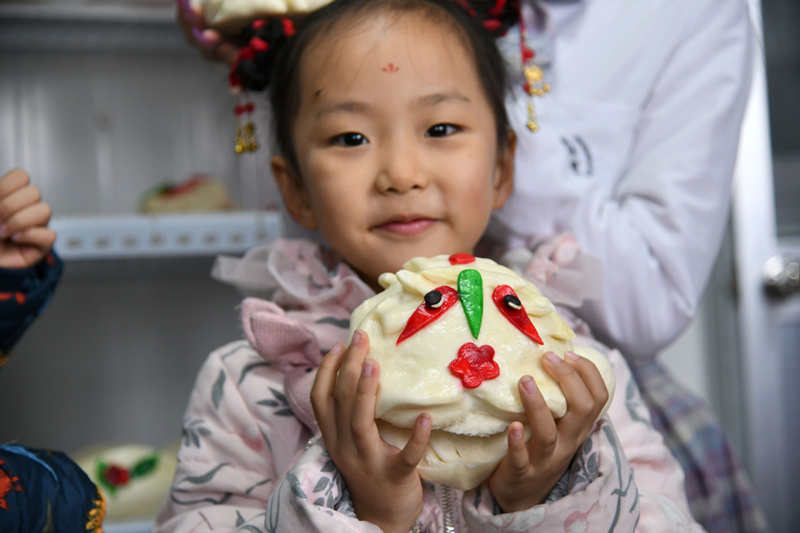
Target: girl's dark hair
(285,77)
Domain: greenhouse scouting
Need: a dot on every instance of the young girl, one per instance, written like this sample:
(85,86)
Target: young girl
(394,143)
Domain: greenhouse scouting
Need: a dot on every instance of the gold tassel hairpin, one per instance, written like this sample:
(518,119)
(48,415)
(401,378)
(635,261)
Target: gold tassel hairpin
(245,129)
(535,84)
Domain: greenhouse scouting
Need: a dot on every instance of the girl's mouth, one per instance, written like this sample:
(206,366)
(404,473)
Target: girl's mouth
(406,227)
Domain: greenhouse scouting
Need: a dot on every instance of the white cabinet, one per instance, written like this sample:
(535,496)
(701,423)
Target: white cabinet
(99,102)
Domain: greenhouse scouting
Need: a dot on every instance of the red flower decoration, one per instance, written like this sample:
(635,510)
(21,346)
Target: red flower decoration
(474,365)
(116,475)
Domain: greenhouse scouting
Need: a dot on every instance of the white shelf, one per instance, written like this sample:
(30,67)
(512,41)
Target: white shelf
(131,236)
(90,26)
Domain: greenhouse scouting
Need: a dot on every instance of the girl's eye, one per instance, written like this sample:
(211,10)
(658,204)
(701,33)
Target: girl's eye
(349,139)
(441,130)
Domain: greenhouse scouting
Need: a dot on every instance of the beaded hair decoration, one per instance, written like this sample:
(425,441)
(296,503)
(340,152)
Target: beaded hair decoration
(498,17)
(252,69)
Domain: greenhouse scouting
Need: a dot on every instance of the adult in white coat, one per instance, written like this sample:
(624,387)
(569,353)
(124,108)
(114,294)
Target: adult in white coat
(634,156)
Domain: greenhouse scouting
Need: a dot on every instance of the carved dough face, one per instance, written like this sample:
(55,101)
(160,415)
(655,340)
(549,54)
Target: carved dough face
(424,372)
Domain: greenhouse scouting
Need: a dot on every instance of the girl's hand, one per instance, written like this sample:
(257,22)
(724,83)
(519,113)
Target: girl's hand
(382,480)
(25,238)
(530,470)
(210,42)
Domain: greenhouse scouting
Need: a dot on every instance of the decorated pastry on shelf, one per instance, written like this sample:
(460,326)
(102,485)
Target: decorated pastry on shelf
(134,478)
(232,15)
(198,193)
(453,336)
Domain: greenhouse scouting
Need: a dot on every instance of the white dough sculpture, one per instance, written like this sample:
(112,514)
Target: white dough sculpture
(453,336)
(234,14)
(134,478)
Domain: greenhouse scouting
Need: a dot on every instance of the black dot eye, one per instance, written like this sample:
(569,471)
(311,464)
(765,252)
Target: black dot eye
(512,302)
(433,299)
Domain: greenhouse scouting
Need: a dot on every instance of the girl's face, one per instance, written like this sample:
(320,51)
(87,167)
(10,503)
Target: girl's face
(396,144)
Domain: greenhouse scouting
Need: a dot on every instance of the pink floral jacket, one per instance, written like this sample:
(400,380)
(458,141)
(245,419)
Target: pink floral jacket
(252,459)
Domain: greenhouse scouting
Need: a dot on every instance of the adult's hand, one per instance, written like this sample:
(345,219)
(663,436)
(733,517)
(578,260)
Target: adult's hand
(25,238)
(211,43)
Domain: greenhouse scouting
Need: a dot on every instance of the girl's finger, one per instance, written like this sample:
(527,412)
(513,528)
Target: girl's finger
(519,461)
(344,392)
(414,450)
(580,403)
(365,432)
(39,237)
(13,180)
(37,215)
(591,378)
(322,393)
(544,431)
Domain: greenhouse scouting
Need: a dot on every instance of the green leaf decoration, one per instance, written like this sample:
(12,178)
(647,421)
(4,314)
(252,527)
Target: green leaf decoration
(470,292)
(145,466)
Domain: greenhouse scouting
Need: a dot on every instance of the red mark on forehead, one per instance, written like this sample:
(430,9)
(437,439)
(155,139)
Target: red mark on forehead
(461,259)
(391,68)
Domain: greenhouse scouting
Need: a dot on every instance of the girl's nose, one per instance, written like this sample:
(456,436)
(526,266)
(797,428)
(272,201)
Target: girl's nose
(400,170)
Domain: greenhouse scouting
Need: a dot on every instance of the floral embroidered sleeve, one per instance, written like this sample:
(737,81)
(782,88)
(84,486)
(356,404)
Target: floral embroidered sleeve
(246,463)
(659,476)
(227,463)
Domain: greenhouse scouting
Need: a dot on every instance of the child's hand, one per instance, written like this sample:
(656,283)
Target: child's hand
(24,236)
(210,42)
(382,480)
(530,470)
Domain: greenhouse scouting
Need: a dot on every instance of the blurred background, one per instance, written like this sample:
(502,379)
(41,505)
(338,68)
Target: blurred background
(102,101)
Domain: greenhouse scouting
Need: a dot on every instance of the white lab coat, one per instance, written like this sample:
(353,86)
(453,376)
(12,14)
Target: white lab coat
(635,151)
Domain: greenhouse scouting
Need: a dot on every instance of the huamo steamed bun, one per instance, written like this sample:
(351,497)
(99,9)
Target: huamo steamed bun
(453,335)
(234,14)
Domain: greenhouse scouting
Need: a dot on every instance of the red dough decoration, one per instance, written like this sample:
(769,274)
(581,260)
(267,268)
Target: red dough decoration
(474,365)
(461,259)
(117,475)
(425,314)
(511,307)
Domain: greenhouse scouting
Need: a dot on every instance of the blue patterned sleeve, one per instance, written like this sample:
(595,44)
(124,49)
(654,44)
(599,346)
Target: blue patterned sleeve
(44,490)
(24,293)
